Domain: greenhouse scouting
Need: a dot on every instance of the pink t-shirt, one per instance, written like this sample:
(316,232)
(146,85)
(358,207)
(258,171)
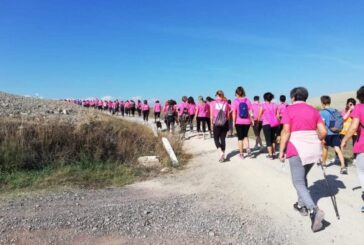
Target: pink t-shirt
(202,110)
(282,107)
(235,108)
(256,108)
(358,113)
(217,105)
(181,107)
(270,114)
(145,107)
(127,105)
(300,117)
(191,109)
(157,107)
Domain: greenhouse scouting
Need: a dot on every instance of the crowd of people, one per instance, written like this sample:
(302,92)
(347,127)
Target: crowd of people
(300,132)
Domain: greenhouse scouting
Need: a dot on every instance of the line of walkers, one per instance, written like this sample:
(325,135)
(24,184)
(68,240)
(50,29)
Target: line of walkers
(300,132)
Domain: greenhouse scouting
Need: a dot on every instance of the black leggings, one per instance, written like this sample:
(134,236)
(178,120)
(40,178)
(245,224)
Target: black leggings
(220,133)
(202,120)
(157,115)
(145,115)
(208,123)
(270,134)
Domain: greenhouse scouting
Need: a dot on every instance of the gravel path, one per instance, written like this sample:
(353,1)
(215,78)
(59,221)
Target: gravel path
(237,202)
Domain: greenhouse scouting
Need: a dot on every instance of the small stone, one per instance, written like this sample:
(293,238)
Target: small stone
(211,233)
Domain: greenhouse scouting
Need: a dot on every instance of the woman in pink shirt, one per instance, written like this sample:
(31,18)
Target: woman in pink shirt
(302,134)
(157,110)
(191,111)
(127,108)
(170,115)
(268,114)
(258,126)
(281,109)
(357,126)
(145,109)
(242,119)
(202,110)
(220,122)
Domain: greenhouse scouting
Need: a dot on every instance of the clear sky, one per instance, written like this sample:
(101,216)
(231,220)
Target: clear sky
(163,49)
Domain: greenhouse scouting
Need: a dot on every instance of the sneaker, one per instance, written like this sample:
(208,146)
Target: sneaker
(344,170)
(302,210)
(317,216)
(362,209)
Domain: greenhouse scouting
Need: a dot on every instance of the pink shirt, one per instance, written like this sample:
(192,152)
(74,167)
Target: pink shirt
(217,105)
(256,108)
(358,113)
(181,107)
(202,110)
(145,107)
(270,114)
(235,107)
(300,117)
(157,107)
(282,107)
(127,105)
(192,109)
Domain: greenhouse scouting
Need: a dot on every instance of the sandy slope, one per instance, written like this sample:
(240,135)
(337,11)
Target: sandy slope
(338,100)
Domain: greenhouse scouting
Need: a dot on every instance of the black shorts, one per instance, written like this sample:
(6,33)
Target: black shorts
(333,140)
(258,125)
(242,131)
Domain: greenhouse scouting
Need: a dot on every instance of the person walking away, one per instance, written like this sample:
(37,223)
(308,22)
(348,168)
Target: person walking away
(268,114)
(347,117)
(132,108)
(220,122)
(257,128)
(170,116)
(139,108)
(242,119)
(145,110)
(209,100)
(357,126)
(191,111)
(281,109)
(303,130)
(122,108)
(231,123)
(127,108)
(334,124)
(157,110)
(202,110)
(183,115)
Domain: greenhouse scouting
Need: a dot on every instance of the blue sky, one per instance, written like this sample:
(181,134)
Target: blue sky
(163,49)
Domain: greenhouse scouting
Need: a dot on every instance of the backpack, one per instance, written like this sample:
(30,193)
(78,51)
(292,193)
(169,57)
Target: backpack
(170,112)
(336,122)
(221,117)
(243,109)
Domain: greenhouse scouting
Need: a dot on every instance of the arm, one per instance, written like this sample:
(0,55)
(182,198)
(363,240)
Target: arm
(347,115)
(352,130)
(286,133)
(322,131)
(260,113)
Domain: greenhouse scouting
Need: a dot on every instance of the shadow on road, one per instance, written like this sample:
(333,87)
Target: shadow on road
(320,190)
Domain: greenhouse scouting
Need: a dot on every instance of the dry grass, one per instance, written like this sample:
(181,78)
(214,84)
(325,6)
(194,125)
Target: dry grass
(97,153)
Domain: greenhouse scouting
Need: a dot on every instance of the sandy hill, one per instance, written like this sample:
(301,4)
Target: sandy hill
(338,100)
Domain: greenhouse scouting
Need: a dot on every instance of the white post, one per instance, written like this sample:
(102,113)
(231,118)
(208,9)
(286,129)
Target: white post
(170,151)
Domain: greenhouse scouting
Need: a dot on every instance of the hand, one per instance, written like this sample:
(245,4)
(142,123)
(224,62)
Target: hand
(252,123)
(282,156)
